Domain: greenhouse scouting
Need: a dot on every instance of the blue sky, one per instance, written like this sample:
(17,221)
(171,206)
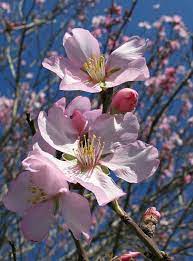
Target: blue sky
(144,10)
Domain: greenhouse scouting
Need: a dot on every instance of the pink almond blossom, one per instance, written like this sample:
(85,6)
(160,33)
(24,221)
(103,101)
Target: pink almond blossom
(5,110)
(77,114)
(39,193)
(86,69)
(109,144)
(68,122)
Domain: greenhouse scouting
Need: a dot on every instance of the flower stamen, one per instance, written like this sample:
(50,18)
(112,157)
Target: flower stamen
(38,195)
(89,151)
(95,67)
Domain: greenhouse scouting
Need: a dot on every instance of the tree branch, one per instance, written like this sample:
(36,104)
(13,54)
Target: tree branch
(82,256)
(13,250)
(149,243)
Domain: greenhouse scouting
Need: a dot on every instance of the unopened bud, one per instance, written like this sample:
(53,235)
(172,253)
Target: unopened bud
(151,213)
(125,100)
(149,221)
(129,256)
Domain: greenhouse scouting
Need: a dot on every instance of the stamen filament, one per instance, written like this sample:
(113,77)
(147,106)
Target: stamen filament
(89,152)
(95,67)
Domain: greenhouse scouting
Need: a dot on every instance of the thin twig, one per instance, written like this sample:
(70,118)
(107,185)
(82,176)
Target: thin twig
(31,123)
(179,221)
(82,256)
(126,19)
(13,250)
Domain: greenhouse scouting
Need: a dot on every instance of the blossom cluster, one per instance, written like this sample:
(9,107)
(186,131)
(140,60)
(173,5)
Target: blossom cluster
(5,110)
(78,146)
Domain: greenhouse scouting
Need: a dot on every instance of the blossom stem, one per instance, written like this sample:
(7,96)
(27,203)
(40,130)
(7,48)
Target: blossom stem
(150,244)
(106,99)
(82,255)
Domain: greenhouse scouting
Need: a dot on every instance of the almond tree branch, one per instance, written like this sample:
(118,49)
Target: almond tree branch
(120,226)
(149,243)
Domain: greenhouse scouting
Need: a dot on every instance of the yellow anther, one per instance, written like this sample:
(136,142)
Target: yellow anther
(43,198)
(38,194)
(89,151)
(95,67)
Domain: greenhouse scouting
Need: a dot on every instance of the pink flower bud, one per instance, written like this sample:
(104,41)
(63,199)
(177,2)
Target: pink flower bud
(149,221)
(152,212)
(188,179)
(125,100)
(129,256)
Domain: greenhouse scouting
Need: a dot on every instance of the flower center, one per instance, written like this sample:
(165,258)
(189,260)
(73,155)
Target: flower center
(89,152)
(95,67)
(38,195)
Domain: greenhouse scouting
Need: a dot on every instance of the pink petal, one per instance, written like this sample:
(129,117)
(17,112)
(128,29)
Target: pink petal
(37,138)
(76,213)
(91,116)
(79,103)
(131,50)
(36,223)
(81,46)
(55,64)
(115,130)
(45,171)
(81,85)
(103,187)
(79,122)
(66,70)
(73,51)
(61,103)
(73,75)
(74,111)
(134,162)
(18,194)
(57,130)
(133,71)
